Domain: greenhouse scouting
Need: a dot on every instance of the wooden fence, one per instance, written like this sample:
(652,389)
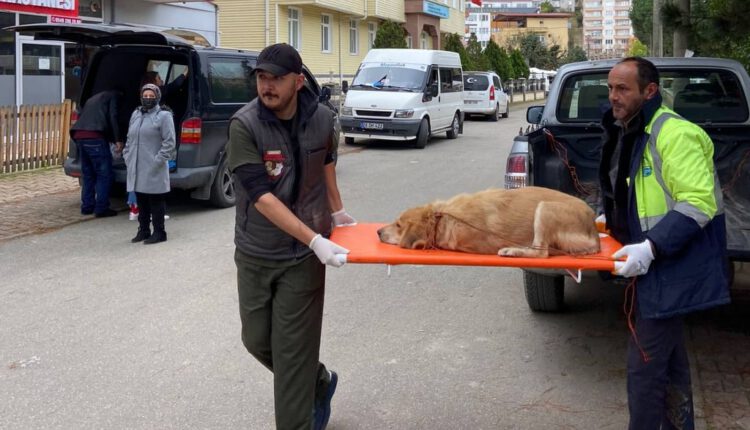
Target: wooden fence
(33,136)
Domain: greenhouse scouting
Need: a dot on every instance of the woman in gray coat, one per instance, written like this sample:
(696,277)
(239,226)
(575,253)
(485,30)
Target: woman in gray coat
(149,147)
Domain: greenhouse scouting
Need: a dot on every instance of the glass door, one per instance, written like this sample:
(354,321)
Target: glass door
(41,73)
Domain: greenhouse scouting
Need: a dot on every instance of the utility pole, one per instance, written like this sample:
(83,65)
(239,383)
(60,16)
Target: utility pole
(657,48)
(682,32)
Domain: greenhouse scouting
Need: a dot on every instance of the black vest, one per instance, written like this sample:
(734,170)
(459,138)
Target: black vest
(297,177)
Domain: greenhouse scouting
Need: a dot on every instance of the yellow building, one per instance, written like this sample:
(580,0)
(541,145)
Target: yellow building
(551,28)
(333,36)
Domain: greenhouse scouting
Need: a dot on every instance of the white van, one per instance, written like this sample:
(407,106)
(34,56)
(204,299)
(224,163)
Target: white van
(404,94)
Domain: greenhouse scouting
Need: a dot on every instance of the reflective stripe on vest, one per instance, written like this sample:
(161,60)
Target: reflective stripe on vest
(664,199)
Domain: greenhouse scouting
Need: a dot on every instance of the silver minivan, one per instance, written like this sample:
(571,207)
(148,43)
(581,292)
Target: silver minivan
(483,94)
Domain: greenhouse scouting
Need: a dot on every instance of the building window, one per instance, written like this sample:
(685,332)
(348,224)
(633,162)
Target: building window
(372,31)
(294,28)
(423,40)
(89,9)
(325,33)
(353,37)
(408,42)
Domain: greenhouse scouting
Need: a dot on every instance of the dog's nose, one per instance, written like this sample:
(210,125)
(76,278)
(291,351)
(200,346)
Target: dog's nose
(380,232)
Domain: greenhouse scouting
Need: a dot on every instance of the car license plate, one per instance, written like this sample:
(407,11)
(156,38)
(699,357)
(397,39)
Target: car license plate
(471,102)
(372,125)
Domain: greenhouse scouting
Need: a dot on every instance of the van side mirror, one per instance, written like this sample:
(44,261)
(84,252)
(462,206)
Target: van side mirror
(344,87)
(325,94)
(434,90)
(534,114)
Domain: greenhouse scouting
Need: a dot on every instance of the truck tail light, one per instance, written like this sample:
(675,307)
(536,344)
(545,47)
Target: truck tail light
(516,171)
(191,131)
(73,118)
(492,94)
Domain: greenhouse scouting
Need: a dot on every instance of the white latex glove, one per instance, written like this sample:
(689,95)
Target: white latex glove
(639,258)
(601,223)
(328,252)
(343,219)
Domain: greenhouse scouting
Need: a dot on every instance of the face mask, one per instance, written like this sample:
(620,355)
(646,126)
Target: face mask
(148,103)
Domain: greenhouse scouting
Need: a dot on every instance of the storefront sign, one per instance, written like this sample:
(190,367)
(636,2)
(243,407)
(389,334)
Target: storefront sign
(68,8)
(64,20)
(435,9)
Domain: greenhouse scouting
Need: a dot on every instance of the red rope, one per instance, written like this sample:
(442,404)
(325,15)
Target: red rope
(628,307)
(562,153)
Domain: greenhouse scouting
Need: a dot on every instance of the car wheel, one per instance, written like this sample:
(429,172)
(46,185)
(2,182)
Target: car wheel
(507,110)
(455,125)
(222,190)
(349,140)
(423,135)
(495,115)
(543,293)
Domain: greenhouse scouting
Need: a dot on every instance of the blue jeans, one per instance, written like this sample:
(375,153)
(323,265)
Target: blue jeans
(96,168)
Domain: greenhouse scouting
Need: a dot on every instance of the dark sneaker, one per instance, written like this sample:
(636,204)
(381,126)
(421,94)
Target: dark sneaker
(106,213)
(156,237)
(323,406)
(87,212)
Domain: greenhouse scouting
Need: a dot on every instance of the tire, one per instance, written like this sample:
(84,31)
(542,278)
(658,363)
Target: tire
(544,293)
(507,110)
(495,115)
(455,126)
(222,190)
(349,140)
(423,135)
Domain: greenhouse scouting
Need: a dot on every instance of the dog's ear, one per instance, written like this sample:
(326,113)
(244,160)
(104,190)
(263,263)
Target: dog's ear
(414,234)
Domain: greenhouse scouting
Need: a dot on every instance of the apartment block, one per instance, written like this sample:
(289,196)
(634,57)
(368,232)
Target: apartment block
(333,36)
(607,30)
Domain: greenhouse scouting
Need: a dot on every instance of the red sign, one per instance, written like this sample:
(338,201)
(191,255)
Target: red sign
(67,8)
(64,20)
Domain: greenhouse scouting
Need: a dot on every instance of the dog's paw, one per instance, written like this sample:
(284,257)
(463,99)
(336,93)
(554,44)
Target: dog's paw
(510,252)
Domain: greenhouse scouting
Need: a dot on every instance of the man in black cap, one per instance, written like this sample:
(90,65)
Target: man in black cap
(282,154)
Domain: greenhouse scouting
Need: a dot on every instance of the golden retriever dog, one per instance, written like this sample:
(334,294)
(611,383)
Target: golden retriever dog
(523,222)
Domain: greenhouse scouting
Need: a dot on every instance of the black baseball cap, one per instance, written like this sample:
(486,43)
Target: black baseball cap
(279,59)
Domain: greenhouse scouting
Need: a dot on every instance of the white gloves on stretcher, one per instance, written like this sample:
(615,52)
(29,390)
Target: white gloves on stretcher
(328,252)
(343,219)
(639,257)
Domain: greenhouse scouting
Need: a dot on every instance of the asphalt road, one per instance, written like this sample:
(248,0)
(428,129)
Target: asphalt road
(101,333)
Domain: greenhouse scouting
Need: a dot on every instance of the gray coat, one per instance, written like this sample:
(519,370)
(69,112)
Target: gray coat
(149,146)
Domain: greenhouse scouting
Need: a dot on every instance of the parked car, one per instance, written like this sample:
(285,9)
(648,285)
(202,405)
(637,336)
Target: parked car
(404,95)
(218,83)
(484,94)
(563,151)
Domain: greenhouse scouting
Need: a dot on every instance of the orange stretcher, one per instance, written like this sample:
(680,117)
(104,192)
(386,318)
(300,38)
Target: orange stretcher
(366,248)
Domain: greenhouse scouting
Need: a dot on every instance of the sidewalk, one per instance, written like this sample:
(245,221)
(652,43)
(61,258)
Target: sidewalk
(718,340)
(38,201)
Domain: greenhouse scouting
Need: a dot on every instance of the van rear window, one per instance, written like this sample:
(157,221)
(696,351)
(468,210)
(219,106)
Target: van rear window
(700,96)
(476,82)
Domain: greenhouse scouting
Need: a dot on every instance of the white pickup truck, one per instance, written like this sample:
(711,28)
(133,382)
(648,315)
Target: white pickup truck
(563,150)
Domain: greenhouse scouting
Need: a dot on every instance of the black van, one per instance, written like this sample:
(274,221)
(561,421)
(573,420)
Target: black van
(218,83)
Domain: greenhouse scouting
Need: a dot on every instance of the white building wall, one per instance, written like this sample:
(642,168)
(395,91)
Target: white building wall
(199,17)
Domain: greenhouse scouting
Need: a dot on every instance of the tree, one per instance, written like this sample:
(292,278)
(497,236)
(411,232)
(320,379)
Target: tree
(474,52)
(498,60)
(389,35)
(534,51)
(637,49)
(452,42)
(575,54)
(546,7)
(520,69)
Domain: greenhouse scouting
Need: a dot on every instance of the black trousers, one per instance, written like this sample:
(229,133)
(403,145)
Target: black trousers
(151,209)
(659,389)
